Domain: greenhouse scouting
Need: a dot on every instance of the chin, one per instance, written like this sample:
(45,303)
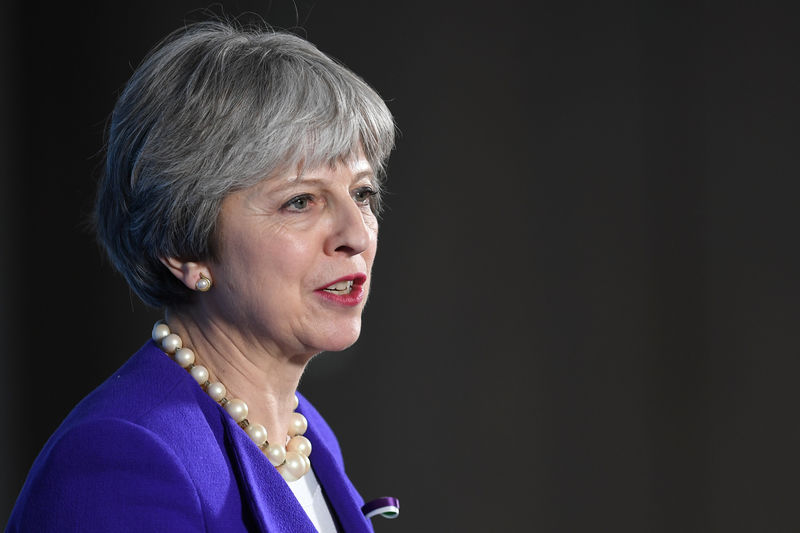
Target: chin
(337,345)
(341,338)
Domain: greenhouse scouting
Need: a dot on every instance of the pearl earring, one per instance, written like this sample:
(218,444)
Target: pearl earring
(203,284)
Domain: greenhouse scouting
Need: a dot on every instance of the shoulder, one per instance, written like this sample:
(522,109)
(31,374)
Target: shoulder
(130,391)
(151,392)
(97,475)
(128,445)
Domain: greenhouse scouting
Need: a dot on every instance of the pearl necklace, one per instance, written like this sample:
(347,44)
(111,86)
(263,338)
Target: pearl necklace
(292,460)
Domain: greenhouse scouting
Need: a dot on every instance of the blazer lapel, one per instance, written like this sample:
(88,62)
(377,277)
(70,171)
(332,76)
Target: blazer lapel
(271,502)
(343,497)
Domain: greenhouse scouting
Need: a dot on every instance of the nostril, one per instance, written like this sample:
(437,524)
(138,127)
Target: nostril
(346,249)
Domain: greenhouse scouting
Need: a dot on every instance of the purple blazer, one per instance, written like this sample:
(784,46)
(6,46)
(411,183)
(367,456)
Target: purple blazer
(150,451)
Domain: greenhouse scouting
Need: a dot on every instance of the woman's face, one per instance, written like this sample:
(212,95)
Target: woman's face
(295,256)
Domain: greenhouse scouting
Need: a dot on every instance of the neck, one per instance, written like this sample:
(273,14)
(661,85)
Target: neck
(261,375)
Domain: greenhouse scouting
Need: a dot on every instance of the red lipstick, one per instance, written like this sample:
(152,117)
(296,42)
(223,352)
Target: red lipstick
(351,298)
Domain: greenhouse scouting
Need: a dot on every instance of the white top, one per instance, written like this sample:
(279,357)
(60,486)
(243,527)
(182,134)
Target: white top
(308,492)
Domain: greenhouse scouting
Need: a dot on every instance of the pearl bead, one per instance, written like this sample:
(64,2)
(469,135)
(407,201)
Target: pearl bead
(216,391)
(293,463)
(203,284)
(160,330)
(276,454)
(299,444)
(294,468)
(257,433)
(297,424)
(184,357)
(237,409)
(286,474)
(199,373)
(307,463)
(171,342)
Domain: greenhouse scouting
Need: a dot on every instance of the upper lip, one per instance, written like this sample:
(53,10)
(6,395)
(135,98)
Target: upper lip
(359,278)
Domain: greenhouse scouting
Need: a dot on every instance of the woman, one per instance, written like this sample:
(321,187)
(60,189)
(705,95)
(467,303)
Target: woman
(240,193)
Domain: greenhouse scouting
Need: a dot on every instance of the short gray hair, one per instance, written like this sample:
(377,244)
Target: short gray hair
(213,109)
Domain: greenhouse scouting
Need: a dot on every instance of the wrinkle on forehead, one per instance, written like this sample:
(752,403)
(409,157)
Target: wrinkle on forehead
(355,159)
(357,164)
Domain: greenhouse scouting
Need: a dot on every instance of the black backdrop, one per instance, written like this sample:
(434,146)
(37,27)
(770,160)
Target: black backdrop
(585,311)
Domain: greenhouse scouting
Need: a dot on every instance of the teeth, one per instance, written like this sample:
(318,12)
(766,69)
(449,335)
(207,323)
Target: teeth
(342,287)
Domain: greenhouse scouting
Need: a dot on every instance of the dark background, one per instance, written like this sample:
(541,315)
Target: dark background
(585,304)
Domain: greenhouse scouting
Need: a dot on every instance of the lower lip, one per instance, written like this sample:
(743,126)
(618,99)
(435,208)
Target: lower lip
(352,299)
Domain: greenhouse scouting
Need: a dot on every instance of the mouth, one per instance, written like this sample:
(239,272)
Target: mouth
(340,287)
(347,290)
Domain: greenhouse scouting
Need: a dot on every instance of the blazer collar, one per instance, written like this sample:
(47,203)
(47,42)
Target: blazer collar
(272,504)
(271,501)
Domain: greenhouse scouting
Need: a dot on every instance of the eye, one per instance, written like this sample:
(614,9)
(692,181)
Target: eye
(363,195)
(299,203)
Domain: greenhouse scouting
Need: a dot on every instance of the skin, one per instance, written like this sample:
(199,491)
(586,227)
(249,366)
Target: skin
(264,319)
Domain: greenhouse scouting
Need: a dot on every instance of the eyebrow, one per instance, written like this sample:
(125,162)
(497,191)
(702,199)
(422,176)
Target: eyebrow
(305,180)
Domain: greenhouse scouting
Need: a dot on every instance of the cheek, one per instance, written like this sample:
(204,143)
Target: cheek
(249,260)
(286,257)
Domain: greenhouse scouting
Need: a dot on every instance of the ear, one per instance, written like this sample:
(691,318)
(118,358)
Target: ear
(188,272)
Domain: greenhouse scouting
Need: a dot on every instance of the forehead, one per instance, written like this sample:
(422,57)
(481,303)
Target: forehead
(353,160)
(347,171)
(355,167)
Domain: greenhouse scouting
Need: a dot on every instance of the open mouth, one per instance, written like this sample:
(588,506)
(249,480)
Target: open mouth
(340,287)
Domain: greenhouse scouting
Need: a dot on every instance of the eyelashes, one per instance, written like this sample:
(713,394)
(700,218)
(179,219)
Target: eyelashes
(365,196)
(298,203)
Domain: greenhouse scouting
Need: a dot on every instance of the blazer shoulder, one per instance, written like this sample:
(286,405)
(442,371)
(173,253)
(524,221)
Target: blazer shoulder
(98,475)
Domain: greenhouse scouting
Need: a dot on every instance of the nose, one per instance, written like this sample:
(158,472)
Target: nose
(350,234)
